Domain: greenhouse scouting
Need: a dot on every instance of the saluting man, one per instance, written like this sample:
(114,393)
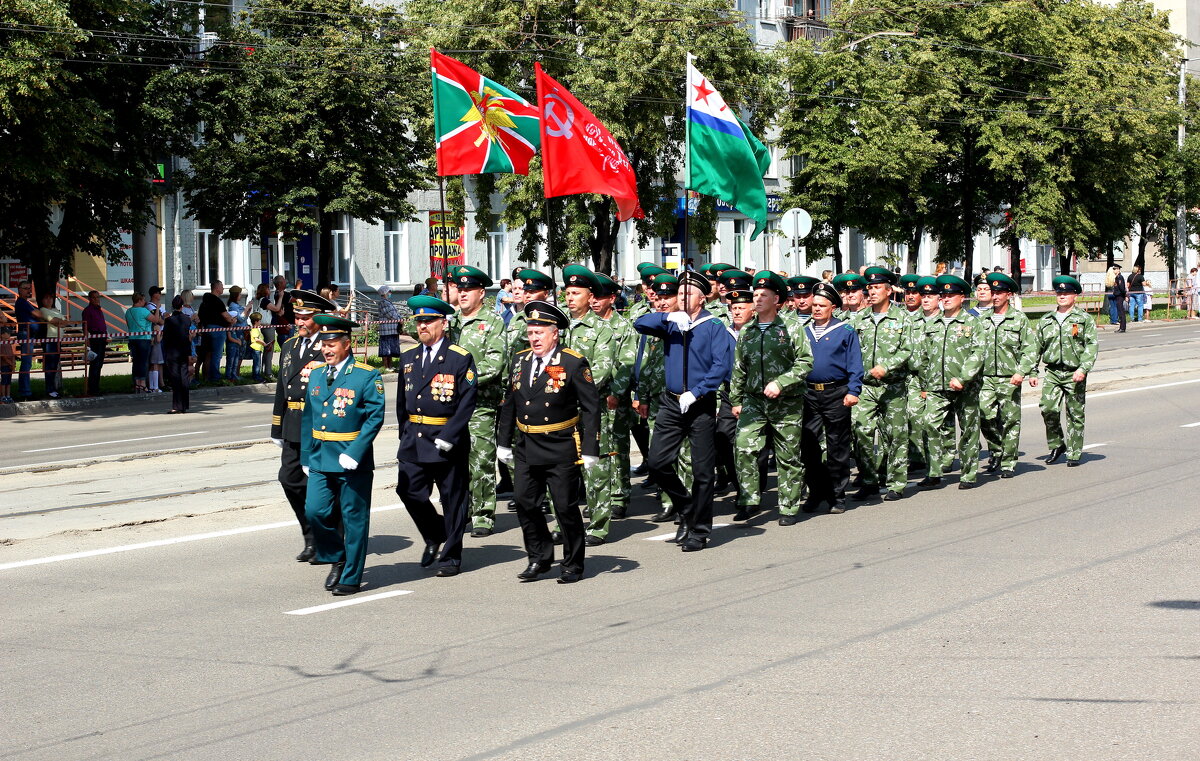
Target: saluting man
(554,406)
(435,407)
(299,355)
(1010,355)
(343,414)
(1067,342)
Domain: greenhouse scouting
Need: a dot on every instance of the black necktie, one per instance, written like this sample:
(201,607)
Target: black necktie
(332,375)
(428,356)
(537,370)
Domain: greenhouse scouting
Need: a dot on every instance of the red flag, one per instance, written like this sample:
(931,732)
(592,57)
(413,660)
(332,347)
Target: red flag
(578,153)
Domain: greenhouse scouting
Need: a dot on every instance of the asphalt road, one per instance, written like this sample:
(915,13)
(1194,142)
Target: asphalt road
(1051,616)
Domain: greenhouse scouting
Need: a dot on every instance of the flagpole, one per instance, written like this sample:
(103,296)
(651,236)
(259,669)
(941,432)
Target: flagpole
(687,152)
(549,243)
(442,226)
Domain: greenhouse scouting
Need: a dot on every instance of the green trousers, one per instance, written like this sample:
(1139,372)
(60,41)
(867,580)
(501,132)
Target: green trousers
(1059,391)
(760,419)
(918,443)
(597,481)
(1000,418)
(942,410)
(481,465)
(880,424)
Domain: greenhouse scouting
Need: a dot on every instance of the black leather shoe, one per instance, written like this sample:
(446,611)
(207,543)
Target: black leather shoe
(430,554)
(891,495)
(664,516)
(745,513)
(533,571)
(512,505)
(593,541)
(341,590)
(692,544)
(619,511)
(929,481)
(680,534)
(639,471)
(335,573)
(308,553)
(811,505)
(967,484)
(569,577)
(447,570)
(787,520)
(1075,463)
(1055,454)
(993,464)
(837,508)
(481,531)
(556,536)
(866,493)
(1007,474)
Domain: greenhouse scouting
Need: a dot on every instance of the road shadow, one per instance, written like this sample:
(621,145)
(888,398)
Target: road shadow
(388,544)
(1176,604)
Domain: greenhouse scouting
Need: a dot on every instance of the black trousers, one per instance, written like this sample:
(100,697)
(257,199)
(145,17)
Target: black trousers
(177,376)
(294,483)
(530,484)
(699,425)
(726,440)
(414,485)
(641,435)
(94,368)
(825,416)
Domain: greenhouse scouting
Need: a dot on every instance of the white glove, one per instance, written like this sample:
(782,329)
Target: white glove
(443,446)
(590,461)
(686,399)
(681,319)
(305,469)
(277,442)
(347,462)
(505,455)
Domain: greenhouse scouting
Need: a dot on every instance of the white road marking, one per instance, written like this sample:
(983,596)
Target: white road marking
(165,542)
(665,537)
(1099,394)
(1098,444)
(118,441)
(1153,334)
(1191,425)
(258,425)
(344,603)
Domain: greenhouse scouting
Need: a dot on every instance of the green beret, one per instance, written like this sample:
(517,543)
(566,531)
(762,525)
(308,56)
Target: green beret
(642,266)
(927,285)
(1066,284)
(606,286)
(666,284)
(578,276)
(875,275)
(532,280)
(332,326)
(998,281)
(471,277)
(802,285)
(910,282)
(772,280)
(735,279)
(427,307)
(848,281)
(949,285)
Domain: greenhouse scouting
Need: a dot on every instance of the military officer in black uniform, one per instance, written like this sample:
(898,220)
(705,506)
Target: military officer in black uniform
(300,354)
(435,403)
(554,405)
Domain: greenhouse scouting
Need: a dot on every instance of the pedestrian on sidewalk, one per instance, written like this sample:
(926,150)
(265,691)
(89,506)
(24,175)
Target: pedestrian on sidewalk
(262,305)
(257,343)
(51,349)
(27,317)
(137,323)
(1137,294)
(235,343)
(95,335)
(158,317)
(1117,296)
(389,328)
(178,351)
(215,320)
(7,360)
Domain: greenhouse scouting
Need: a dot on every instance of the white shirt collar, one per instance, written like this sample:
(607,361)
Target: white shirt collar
(434,348)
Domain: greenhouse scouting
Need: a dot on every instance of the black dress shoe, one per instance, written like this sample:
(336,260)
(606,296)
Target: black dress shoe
(533,571)
(993,464)
(693,544)
(1007,474)
(430,554)
(967,484)
(593,541)
(619,511)
(837,508)
(481,531)
(308,553)
(447,570)
(1075,463)
(512,505)
(788,520)
(569,577)
(891,495)
(680,534)
(866,493)
(1055,454)
(811,505)
(335,573)
(666,515)
(639,471)
(341,590)
(929,481)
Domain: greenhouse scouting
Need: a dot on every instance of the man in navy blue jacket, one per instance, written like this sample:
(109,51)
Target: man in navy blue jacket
(699,359)
(434,405)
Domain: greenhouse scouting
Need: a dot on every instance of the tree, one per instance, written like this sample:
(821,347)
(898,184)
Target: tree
(81,134)
(306,109)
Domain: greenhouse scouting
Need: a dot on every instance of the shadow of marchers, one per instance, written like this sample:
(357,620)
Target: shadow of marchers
(595,565)
(386,544)
(735,532)
(1176,604)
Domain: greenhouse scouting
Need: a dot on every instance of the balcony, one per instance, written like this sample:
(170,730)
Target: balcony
(807,24)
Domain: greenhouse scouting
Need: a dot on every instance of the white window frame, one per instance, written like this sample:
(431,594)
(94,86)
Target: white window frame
(773,167)
(395,251)
(204,242)
(497,254)
(339,249)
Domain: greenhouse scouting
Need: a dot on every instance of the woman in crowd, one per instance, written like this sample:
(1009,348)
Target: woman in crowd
(139,326)
(389,328)
(263,302)
(1137,294)
(236,343)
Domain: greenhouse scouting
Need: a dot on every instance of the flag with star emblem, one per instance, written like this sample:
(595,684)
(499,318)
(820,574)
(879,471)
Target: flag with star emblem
(481,126)
(725,160)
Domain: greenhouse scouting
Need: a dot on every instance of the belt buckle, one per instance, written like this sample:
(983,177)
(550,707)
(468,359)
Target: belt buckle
(818,386)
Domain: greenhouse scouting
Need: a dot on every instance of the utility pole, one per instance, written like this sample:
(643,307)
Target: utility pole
(1182,257)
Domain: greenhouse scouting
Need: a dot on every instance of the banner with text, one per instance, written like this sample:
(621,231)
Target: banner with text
(447,243)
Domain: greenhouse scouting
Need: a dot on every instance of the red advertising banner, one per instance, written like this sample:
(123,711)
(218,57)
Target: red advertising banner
(447,243)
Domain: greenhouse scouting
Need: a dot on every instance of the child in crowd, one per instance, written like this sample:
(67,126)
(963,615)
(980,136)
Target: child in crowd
(7,357)
(257,344)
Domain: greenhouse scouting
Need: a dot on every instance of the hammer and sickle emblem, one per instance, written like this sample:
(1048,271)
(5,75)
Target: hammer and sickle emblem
(562,127)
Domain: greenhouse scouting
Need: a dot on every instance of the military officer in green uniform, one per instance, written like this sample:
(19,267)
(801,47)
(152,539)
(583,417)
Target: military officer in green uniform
(647,271)
(771,363)
(640,432)
(1068,348)
(852,288)
(801,296)
(343,414)
(912,293)
(879,418)
(536,286)
(730,281)
(481,332)
(618,414)
(930,308)
(592,337)
(948,361)
(715,302)
(1010,355)
(913,315)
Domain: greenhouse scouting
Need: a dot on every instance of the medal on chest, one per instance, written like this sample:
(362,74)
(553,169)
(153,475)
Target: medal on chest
(442,387)
(556,378)
(342,398)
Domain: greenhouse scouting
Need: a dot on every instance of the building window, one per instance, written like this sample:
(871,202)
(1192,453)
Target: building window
(208,256)
(739,242)
(340,252)
(497,254)
(395,251)
(773,169)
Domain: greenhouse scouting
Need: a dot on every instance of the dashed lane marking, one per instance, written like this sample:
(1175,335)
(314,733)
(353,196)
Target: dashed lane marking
(345,603)
(1099,394)
(671,535)
(1097,444)
(118,441)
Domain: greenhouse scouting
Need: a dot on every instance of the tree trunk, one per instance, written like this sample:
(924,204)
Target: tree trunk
(968,210)
(1111,255)
(914,245)
(1064,260)
(836,225)
(1014,257)
(1143,233)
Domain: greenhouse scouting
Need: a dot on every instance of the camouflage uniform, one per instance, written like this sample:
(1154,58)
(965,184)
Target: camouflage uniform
(1064,348)
(918,445)
(948,347)
(483,335)
(593,338)
(1009,347)
(782,355)
(879,418)
(620,421)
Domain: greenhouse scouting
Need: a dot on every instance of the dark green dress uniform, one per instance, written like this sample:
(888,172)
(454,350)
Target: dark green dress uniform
(1009,349)
(343,414)
(550,420)
(297,359)
(1066,345)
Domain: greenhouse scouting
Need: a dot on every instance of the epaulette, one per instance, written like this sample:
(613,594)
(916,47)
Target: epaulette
(411,349)
(292,340)
(315,364)
(363,366)
(572,352)
(524,351)
(458,349)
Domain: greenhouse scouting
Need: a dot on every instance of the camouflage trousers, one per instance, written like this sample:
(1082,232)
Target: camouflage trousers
(598,482)
(1000,418)
(880,428)
(918,442)
(481,467)
(783,425)
(942,410)
(1059,390)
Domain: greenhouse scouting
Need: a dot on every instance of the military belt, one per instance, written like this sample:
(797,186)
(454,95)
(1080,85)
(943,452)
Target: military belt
(426,420)
(548,428)
(828,385)
(1060,368)
(296,405)
(334,436)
